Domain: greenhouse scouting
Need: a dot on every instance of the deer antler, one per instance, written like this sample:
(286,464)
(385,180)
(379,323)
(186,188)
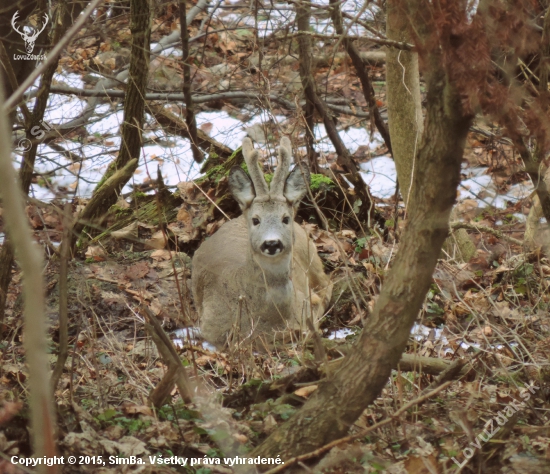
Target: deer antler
(13,20)
(281,173)
(251,160)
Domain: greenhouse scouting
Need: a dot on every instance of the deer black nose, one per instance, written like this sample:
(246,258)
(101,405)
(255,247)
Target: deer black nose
(272,246)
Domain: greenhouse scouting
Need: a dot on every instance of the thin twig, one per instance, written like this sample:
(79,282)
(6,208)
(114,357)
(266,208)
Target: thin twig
(362,74)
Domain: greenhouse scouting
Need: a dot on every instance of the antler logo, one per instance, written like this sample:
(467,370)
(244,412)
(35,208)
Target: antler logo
(29,40)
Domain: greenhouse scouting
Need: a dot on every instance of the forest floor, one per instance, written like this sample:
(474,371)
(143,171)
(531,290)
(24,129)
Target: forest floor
(491,312)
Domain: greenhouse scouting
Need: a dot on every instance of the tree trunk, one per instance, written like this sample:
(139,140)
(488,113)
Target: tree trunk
(339,401)
(403,97)
(134,105)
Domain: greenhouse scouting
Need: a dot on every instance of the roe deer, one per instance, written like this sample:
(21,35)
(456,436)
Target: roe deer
(260,274)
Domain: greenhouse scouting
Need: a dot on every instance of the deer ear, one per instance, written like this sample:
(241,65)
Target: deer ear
(296,184)
(241,187)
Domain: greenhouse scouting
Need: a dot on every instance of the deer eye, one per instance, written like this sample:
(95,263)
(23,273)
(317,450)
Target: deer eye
(286,220)
(255,221)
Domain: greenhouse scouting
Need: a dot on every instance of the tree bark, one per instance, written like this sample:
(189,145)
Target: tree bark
(539,210)
(42,418)
(303,15)
(338,402)
(134,106)
(403,96)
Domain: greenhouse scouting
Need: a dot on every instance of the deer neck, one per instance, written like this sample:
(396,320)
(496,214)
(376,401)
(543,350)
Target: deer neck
(275,272)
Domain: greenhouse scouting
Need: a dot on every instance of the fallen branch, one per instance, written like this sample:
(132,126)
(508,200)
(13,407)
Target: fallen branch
(197,99)
(96,202)
(444,369)
(169,355)
(174,124)
(484,228)
(362,74)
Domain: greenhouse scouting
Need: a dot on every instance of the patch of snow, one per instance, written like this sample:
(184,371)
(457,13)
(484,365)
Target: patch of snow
(421,332)
(226,129)
(340,333)
(353,138)
(481,187)
(190,334)
(69,78)
(380,175)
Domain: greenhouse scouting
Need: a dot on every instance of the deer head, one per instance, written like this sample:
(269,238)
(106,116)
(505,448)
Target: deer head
(269,210)
(29,40)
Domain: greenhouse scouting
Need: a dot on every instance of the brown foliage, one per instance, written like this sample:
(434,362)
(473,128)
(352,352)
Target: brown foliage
(483,52)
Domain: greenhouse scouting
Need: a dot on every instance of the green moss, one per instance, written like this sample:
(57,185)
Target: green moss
(235,153)
(216,173)
(268,176)
(121,211)
(318,181)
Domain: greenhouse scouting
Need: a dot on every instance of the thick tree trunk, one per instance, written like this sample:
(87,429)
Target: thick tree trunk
(405,115)
(338,402)
(403,97)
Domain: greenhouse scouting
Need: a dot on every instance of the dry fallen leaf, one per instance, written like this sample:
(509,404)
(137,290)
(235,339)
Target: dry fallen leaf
(305,392)
(160,255)
(96,252)
(157,241)
(128,232)
(131,409)
(137,271)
